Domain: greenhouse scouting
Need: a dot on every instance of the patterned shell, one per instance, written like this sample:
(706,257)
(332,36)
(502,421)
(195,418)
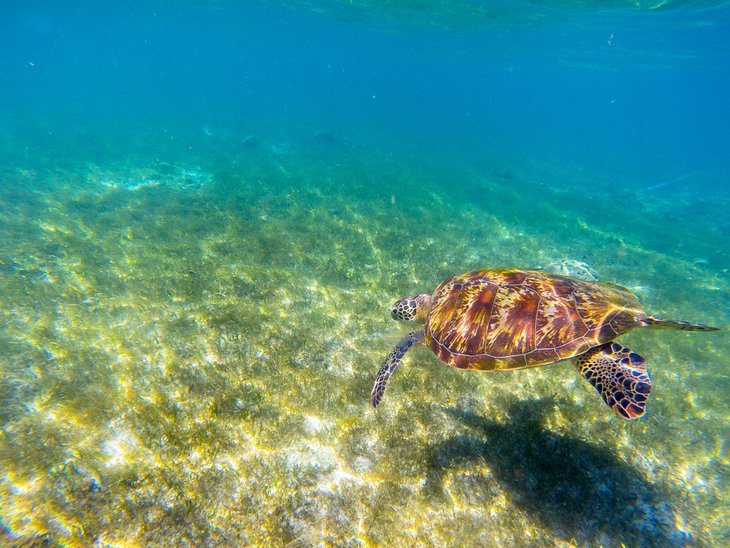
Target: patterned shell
(509,319)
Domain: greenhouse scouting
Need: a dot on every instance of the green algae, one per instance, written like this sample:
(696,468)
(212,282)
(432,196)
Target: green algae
(188,352)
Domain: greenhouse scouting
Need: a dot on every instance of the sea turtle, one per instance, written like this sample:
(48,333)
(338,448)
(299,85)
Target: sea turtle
(511,319)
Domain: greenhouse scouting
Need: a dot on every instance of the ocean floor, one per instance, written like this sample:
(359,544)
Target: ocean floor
(188,346)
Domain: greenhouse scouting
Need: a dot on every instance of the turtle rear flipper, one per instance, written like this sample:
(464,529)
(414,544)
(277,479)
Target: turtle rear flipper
(676,324)
(391,362)
(619,375)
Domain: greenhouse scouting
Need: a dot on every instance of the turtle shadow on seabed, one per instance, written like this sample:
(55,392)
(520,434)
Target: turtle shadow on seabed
(580,491)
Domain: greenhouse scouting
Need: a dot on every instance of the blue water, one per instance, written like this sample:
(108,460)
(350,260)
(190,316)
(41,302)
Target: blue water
(644,90)
(206,209)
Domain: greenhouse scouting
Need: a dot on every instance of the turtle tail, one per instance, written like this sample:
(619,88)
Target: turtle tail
(676,324)
(391,363)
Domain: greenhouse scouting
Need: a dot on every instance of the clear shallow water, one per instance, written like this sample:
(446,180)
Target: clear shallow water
(206,213)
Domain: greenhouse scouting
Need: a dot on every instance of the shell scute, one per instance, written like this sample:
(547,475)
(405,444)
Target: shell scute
(558,321)
(512,277)
(512,325)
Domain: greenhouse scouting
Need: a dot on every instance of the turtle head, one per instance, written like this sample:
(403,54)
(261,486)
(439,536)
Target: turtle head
(413,307)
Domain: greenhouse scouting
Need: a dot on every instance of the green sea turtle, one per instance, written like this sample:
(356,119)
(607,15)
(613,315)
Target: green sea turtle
(511,319)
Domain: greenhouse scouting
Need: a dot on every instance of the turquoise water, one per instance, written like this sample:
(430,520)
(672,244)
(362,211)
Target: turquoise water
(207,209)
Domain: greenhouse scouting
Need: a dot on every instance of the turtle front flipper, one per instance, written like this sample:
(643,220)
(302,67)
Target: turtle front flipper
(619,375)
(391,362)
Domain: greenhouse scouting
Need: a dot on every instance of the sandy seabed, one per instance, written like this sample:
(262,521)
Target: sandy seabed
(187,353)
